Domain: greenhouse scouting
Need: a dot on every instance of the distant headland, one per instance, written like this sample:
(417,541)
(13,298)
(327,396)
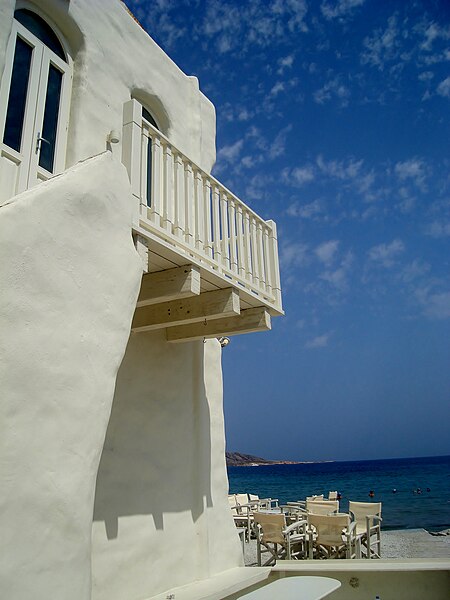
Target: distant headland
(237,459)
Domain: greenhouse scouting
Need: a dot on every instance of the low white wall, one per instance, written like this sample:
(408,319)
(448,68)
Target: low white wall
(161,517)
(69,278)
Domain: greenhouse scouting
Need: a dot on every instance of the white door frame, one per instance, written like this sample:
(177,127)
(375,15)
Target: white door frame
(27,159)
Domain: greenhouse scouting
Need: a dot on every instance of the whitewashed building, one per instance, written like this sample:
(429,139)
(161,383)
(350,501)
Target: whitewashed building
(122,262)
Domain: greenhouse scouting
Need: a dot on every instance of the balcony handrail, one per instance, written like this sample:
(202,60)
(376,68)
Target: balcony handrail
(192,210)
(215,181)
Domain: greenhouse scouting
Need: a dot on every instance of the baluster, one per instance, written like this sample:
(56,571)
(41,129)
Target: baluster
(274,263)
(267,268)
(156,181)
(254,246)
(145,189)
(232,226)
(179,197)
(169,199)
(198,208)
(216,223)
(207,216)
(247,247)
(262,274)
(224,223)
(189,204)
(240,240)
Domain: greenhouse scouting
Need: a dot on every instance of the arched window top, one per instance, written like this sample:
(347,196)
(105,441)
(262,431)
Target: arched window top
(41,29)
(148,117)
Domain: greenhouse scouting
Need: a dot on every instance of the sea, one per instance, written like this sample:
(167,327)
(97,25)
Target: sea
(415,492)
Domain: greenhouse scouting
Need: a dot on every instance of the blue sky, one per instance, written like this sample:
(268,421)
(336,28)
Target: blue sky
(333,120)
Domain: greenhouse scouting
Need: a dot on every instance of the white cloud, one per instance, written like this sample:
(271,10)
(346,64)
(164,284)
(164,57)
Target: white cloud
(443,89)
(415,269)
(438,229)
(231,152)
(349,169)
(325,252)
(385,254)
(256,23)
(338,278)
(285,63)
(320,341)
(305,211)
(298,176)
(277,88)
(433,32)
(277,148)
(436,305)
(293,254)
(425,76)
(341,8)
(414,169)
(383,46)
(332,89)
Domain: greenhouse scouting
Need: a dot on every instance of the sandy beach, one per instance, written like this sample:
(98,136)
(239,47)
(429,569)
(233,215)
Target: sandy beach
(405,543)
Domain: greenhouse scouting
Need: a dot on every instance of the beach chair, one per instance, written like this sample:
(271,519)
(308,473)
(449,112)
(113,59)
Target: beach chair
(332,536)
(279,540)
(263,503)
(322,507)
(241,517)
(367,516)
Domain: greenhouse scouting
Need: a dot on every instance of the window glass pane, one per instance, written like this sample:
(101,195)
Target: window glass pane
(15,112)
(50,124)
(148,117)
(41,30)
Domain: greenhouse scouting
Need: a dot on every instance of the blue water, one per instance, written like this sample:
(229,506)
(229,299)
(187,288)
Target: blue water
(402,510)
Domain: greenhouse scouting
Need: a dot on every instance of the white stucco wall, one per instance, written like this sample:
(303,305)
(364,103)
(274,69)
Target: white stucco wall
(161,515)
(115,58)
(69,277)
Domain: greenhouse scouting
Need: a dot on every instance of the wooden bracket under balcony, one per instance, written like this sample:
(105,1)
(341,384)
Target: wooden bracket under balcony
(206,306)
(172,284)
(250,320)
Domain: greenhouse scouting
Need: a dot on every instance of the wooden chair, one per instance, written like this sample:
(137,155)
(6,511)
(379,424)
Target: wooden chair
(332,536)
(367,517)
(279,540)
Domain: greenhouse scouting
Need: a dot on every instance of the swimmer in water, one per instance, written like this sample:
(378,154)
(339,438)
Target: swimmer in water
(371,494)
(394,491)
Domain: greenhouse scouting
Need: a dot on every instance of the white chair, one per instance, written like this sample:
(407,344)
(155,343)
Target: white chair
(332,536)
(241,518)
(333,495)
(367,518)
(279,540)
(322,507)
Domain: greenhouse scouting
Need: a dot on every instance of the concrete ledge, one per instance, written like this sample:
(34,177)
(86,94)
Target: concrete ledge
(364,565)
(219,586)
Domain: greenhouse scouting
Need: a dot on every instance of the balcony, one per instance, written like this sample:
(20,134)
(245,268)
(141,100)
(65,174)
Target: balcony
(187,225)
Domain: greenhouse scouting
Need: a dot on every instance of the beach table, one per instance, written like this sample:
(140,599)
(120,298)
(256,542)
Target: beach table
(295,588)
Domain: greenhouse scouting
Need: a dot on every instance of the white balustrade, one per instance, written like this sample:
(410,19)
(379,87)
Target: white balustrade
(179,202)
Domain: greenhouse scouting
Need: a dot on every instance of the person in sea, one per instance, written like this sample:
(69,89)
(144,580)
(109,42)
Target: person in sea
(371,494)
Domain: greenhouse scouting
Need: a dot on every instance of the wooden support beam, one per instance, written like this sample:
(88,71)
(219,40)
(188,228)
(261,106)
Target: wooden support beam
(163,286)
(210,305)
(252,319)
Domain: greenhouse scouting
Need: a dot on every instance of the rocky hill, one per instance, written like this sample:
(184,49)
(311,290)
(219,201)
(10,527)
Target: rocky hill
(236,459)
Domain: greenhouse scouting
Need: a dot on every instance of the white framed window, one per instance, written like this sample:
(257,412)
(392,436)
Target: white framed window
(34,104)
